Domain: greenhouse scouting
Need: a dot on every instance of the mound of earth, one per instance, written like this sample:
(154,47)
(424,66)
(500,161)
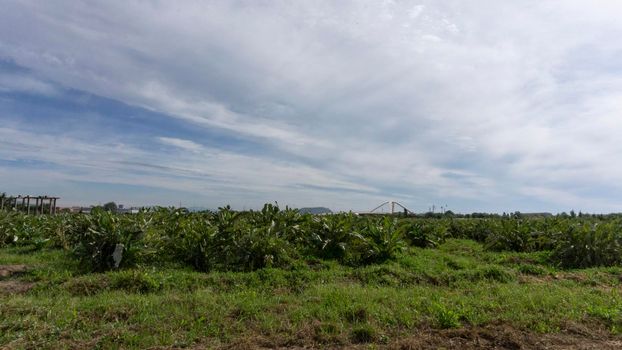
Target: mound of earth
(13,286)
(10,270)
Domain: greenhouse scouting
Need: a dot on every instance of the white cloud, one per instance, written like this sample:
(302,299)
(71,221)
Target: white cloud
(384,96)
(211,174)
(181,143)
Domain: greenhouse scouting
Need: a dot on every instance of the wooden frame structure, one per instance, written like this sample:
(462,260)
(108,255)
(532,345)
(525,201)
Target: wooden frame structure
(42,204)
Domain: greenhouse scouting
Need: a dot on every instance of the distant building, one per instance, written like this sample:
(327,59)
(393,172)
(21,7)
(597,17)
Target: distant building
(121,209)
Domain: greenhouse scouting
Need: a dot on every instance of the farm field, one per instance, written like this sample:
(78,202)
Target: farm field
(277,279)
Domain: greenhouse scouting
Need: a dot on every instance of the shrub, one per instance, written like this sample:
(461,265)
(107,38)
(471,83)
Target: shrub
(425,234)
(228,241)
(334,237)
(103,241)
(23,230)
(382,240)
(590,244)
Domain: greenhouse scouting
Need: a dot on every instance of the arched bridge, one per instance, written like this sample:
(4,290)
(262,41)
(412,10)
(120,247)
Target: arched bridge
(389,205)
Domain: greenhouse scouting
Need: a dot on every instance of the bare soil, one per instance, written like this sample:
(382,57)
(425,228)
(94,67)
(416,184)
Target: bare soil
(10,286)
(15,287)
(493,336)
(10,270)
(507,337)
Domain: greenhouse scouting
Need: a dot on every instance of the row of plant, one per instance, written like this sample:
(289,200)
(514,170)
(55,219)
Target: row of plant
(227,240)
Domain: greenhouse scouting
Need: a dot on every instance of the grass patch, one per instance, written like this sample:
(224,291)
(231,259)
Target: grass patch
(453,286)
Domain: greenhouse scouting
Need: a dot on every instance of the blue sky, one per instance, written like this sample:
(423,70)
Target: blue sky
(476,106)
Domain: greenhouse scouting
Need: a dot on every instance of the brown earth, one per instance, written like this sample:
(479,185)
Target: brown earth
(13,286)
(10,270)
(503,336)
(492,336)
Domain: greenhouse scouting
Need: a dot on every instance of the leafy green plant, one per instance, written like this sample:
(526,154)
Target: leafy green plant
(587,245)
(334,237)
(228,240)
(104,241)
(383,238)
(425,234)
(445,317)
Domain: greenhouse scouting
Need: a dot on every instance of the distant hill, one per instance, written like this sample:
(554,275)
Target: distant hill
(315,210)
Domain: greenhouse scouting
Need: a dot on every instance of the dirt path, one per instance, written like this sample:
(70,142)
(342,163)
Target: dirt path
(7,271)
(11,286)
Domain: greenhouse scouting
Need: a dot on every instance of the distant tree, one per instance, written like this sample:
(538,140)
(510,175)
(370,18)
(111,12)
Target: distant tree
(111,206)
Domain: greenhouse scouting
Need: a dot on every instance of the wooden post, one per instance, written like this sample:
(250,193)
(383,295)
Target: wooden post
(55,205)
(28,205)
(41,209)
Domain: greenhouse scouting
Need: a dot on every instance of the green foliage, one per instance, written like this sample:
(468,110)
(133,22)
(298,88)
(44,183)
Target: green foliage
(590,244)
(445,317)
(265,239)
(21,230)
(529,269)
(383,239)
(134,281)
(334,237)
(228,240)
(110,206)
(363,334)
(103,241)
(313,302)
(425,234)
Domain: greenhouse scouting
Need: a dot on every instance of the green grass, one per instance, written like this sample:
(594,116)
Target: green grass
(455,285)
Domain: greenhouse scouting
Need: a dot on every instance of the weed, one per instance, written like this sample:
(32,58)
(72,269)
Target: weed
(445,317)
(363,334)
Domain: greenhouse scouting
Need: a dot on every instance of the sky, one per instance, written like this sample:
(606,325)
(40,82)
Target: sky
(490,105)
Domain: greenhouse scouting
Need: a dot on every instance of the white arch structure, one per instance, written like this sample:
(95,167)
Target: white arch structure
(392,205)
